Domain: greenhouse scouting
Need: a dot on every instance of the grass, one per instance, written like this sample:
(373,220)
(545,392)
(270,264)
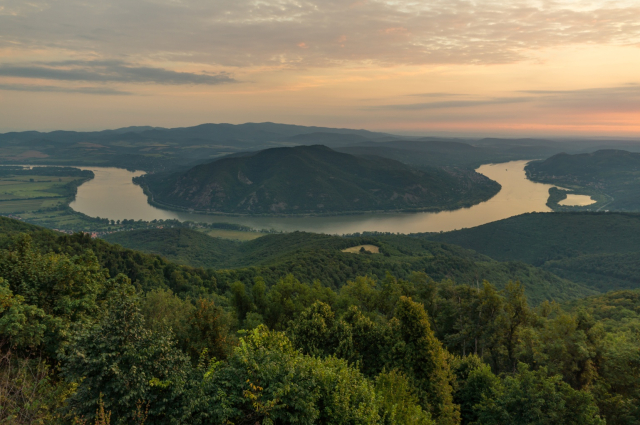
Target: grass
(30,193)
(23,187)
(43,199)
(236,235)
(358,249)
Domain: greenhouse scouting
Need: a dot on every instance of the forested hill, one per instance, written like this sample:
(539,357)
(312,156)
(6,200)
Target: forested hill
(315,179)
(613,173)
(308,257)
(312,257)
(601,250)
(90,334)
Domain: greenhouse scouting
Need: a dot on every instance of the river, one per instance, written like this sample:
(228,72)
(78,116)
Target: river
(112,194)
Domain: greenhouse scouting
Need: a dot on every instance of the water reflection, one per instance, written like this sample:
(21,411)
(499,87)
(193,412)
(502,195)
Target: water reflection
(113,195)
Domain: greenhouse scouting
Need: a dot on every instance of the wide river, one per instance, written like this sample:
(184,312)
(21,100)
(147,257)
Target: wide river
(112,194)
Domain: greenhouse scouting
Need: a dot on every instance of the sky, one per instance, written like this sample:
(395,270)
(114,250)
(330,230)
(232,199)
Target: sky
(431,67)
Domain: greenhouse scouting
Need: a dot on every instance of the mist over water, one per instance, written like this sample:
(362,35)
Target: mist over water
(112,194)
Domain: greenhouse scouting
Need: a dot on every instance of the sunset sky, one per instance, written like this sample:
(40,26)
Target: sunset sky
(432,67)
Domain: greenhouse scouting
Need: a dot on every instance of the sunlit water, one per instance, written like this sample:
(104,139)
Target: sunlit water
(112,194)
(577,201)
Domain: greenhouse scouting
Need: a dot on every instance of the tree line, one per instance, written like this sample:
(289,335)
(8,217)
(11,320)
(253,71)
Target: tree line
(81,343)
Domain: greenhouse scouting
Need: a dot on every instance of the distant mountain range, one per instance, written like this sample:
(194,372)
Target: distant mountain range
(249,134)
(315,179)
(162,149)
(158,149)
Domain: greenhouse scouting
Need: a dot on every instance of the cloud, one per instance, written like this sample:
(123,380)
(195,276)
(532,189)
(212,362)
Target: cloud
(626,90)
(608,99)
(453,104)
(247,33)
(83,90)
(436,94)
(108,71)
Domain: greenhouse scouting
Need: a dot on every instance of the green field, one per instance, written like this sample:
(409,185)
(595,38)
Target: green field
(236,235)
(29,193)
(41,196)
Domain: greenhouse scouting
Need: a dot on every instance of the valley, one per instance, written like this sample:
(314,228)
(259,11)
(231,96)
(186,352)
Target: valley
(497,282)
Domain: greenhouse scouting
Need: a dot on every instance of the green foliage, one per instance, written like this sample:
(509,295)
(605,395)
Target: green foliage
(380,347)
(603,272)
(556,195)
(533,397)
(399,404)
(539,237)
(29,391)
(405,343)
(163,311)
(422,357)
(208,332)
(22,325)
(614,309)
(267,381)
(120,362)
(618,386)
(289,297)
(475,382)
(47,296)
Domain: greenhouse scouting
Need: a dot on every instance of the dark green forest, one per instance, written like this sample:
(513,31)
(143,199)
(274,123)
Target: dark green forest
(314,179)
(599,250)
(612,174)
(309,256)
(288,329)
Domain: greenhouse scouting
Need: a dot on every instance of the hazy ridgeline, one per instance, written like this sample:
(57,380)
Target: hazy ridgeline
(173,149)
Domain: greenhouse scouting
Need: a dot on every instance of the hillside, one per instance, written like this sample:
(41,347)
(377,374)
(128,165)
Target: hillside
(315,179)
(88,329)
(182,245)
(309,256)
(601,250)
(428,152)
(612,174)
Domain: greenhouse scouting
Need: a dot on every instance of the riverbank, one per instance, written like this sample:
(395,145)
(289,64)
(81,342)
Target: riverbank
(113,194)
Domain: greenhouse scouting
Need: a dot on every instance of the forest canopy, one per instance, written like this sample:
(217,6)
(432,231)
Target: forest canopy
(92,333)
